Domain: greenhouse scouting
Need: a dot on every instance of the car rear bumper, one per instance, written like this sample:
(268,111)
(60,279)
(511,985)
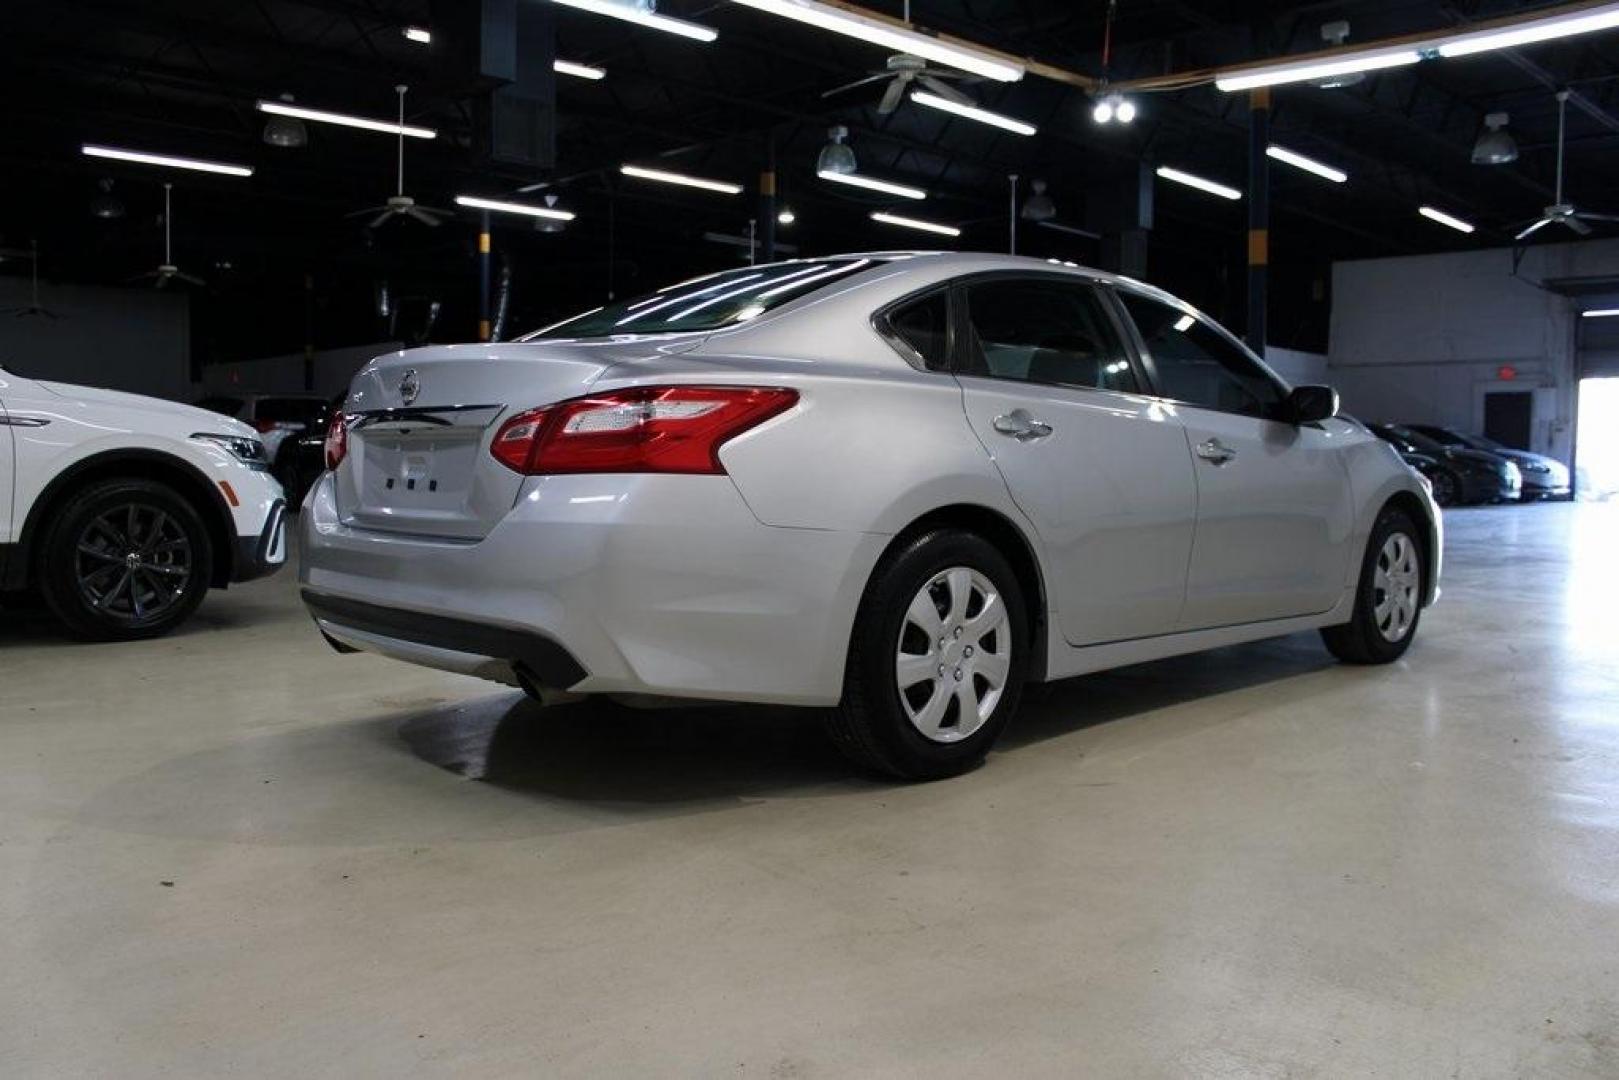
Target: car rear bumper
(664,585)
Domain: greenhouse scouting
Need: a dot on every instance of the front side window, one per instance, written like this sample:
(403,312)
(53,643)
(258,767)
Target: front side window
(1197,364)
(923,329)
(1044,330)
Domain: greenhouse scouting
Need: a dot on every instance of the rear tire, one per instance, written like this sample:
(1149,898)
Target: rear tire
(936,660)
(124,559)
(1388,599)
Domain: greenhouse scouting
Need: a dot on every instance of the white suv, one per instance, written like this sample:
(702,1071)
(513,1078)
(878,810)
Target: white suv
(123,510)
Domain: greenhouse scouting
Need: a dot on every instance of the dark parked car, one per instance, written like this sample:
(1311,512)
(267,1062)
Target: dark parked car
(1458,474)
(302,457)
(1543,477)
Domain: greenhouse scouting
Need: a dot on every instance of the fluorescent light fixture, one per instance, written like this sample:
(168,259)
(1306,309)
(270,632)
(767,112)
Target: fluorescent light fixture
(141,157)
(476,202)
(419,35)
(1529,31)
(1601,313)
(915,223)
(972,112)
(1309,165)
(665,177)
(578,71)
(629,12)
(1183,324)
(1445,219)
(871,183)
(1198,182)
(1311,70)
(891,36)
(387,127)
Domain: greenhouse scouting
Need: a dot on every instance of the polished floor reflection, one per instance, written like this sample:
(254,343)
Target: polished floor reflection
(233,852)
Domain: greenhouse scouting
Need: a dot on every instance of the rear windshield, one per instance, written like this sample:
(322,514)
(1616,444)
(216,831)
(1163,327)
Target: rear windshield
(709,302)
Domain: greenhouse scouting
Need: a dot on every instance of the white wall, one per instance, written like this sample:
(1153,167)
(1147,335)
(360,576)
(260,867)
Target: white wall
(1421,338)
(135,339)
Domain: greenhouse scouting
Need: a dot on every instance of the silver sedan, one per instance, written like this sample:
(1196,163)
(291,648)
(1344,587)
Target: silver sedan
(896,486)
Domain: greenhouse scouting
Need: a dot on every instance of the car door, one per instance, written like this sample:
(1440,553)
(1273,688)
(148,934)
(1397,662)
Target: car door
(1100,469)
(1275,510)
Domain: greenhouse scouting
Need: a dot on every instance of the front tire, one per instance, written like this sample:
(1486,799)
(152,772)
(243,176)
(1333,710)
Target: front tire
(1388,601)
(124,559)
(1447,487)
(936,660)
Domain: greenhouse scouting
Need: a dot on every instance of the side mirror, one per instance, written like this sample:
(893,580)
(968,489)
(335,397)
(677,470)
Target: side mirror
(1309,404)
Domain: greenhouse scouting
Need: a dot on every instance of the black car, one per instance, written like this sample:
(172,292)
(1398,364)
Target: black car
(1458,474)
(301,457)
(1543,477)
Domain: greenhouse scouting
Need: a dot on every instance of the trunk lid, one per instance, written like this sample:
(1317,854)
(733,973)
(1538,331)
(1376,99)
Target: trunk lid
(420,423)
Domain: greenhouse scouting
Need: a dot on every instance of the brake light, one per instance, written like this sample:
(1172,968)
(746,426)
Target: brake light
(337,441)
(661,429)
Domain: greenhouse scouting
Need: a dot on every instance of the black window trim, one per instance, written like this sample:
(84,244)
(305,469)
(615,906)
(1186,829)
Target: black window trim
(882,323)
(959,336)
(1115,290)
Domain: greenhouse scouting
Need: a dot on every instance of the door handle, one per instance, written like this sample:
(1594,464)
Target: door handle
(1021,426)
(1216,451)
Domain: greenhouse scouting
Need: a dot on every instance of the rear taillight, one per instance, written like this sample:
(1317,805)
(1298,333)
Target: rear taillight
(337,441)
(663,429)
(263,426)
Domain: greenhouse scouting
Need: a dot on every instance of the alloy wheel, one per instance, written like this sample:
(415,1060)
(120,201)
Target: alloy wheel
(1396,580)
(954,654)
(133,563)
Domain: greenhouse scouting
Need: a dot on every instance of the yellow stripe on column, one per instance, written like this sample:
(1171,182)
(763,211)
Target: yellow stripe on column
(1258,247)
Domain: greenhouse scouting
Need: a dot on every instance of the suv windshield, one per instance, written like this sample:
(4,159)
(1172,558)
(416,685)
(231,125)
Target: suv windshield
(709,302)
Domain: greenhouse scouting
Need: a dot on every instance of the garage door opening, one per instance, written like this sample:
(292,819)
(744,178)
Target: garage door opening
(1596,454)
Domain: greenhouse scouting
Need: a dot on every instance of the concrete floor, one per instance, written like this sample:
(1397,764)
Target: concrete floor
(234,852)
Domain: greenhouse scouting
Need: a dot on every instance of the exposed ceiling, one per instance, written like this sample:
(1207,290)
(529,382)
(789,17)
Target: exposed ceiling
(285,264)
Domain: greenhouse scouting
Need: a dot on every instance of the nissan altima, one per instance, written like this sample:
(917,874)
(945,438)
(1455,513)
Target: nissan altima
(895,486)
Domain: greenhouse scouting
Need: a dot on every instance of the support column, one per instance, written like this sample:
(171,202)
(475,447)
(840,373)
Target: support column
(1258,215)
(484,292)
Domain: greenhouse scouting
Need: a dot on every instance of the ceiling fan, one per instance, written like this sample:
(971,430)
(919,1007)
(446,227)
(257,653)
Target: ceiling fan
(903,70)
(167,271)
(33,306)
(399,204)
(1561,212)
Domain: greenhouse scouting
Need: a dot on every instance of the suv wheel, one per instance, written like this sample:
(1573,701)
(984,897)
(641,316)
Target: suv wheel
(125,559)
(936,661)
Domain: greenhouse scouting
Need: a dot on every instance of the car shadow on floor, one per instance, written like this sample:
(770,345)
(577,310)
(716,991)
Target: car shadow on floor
(598,751)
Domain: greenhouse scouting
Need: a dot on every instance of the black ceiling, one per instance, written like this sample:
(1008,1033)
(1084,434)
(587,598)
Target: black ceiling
(284,263)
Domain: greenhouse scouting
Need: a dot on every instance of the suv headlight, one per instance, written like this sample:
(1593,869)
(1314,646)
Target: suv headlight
(249,452)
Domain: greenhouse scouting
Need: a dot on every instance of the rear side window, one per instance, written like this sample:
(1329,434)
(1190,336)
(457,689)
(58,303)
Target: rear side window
(1044,331)
(922,327)
(1196,364)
